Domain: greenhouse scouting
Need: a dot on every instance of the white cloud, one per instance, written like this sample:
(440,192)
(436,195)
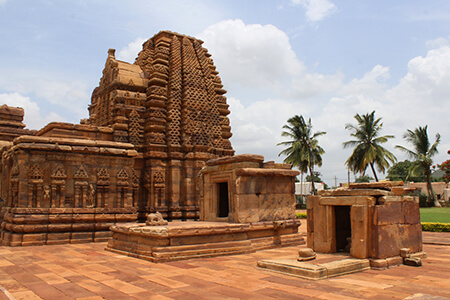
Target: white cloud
(437,43)
(130,52)
(54,93)
(419,98)
(32,118)
(252,55)
(3,2)
(316,10)
(257,127)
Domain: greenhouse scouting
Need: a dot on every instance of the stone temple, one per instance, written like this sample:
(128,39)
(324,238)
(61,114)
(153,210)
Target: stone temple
(156,140)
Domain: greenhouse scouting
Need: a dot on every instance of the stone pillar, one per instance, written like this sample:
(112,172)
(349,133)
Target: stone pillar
(62,196)
(174,182)
(359,217)
(77,196)
(39,195)
(84,196)
(53,196)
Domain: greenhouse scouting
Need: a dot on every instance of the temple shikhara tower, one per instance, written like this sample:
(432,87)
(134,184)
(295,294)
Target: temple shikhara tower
(156,143)
(170,105)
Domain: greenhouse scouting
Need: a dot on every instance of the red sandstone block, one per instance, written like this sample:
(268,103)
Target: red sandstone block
(389,213)
(411,212)
(83,227)
(59,227)
(102,218)
(60,210)
(33,239)
(60,218)
(102,226)
(81,237)
(83,218)
(58,238)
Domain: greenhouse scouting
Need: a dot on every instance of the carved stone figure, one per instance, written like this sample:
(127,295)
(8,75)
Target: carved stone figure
(91,197)
(155,219)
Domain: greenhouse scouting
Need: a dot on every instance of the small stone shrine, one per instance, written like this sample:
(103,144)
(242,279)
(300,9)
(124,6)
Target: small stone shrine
(368,225)
(378,221)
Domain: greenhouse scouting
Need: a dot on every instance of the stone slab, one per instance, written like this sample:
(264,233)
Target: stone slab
(185,240)
(315,271)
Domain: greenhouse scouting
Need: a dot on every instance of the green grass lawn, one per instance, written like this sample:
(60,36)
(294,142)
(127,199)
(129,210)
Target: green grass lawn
(435,214)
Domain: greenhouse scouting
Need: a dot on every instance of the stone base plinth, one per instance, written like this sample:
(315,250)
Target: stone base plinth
(50,226)
(315,271)
(185,240)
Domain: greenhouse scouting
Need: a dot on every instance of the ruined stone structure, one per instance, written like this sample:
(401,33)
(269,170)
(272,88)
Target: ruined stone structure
(152,126)
(370,221)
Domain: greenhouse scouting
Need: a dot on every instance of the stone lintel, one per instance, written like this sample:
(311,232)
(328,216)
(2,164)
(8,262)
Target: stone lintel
(374,185)
(236,158)
(348,201)
(266,172)
(69,126)
(354,192)
(71,142)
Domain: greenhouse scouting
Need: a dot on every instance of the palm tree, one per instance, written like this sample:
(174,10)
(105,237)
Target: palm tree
(303,150)
(368,150)
(422,153)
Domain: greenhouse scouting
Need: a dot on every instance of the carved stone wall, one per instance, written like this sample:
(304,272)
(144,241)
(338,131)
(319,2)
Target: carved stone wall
(65,190)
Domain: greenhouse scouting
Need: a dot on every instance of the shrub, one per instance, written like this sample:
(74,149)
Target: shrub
(436,227)
(423,200)
(301,215)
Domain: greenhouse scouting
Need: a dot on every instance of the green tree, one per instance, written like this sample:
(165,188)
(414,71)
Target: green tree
(363,178)
(401,171)
(422,152)
(303,150)
(316,177)
(367,145)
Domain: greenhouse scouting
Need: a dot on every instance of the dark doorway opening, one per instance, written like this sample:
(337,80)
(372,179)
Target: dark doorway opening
(223,208)
(343,228)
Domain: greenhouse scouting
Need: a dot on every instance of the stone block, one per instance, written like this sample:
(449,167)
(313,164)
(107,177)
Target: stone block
(30,239)
(58,238)
(412,261)
(81,237)
(389,213)
(392,238)
(411,212)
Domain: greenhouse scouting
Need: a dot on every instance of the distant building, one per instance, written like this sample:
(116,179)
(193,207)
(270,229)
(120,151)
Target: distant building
(305,188)
(441,189)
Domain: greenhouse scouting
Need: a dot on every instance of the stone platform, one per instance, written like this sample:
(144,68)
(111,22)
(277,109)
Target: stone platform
(184,240)
(51,226)
(317,269)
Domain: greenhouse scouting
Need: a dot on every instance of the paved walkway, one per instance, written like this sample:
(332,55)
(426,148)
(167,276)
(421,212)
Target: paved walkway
(86,271)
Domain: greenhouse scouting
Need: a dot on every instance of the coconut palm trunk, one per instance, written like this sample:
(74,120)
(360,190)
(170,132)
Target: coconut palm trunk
(373,171)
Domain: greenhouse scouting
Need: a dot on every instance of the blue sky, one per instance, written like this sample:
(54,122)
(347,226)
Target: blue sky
(323,59)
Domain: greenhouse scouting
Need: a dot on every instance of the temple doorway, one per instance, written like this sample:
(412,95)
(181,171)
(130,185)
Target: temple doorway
(223,206)
(343,228)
